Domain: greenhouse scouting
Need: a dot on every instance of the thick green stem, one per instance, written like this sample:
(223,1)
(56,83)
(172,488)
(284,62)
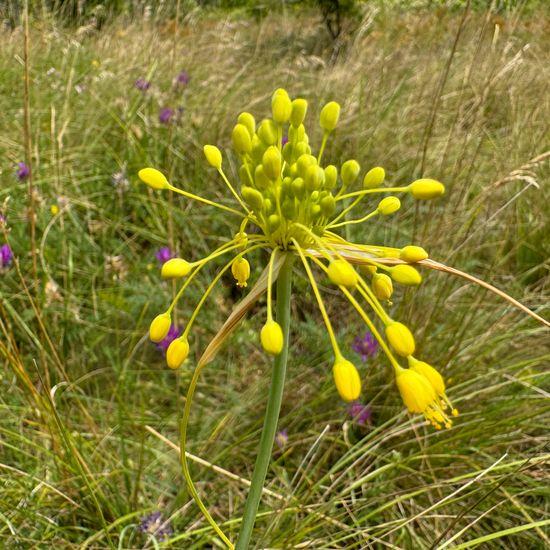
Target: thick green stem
(284,285)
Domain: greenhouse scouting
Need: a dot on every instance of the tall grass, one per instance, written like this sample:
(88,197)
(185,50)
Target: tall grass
(88,408)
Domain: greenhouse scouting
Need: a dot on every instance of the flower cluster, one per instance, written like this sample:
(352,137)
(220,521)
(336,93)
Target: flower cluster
(298,202)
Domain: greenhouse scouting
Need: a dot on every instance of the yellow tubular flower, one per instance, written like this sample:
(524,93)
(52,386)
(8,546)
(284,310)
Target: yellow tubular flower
(382,286)
(400,338)
(405,275)
(159,327)
(272,337)
(347,380)
(340,272)
(241,271)
(177,352)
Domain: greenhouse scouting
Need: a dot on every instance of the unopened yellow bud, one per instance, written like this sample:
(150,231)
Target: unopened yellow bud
(330,114)
(267,132)
(272,337)
(175,268)
(416,392)
(273,222)
(426,189)
(328,206)
(428,372)
(349,172)
(252,197)
(213,156)
(159,327)
(177,352)
(400,338)
(331,175)
(405,275)
(382,286)
(388,206)
(153,178)
(314,178)
(241,271)
(272,162)
(347,379)
(281,106)
(412,254)
(247,120)
(241,139)
(374,178)
(298,114)
(341,273)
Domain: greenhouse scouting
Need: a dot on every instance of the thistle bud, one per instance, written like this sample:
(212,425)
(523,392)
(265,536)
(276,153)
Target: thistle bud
(159,327)
(349,172)
(400,338)
(153,178)
(272,162)
(405,275)
(252,197)
(241,271)
(382,286)
(412,254)
(175,268)
(331,175)
(267,132)
(341,273)
(299,109)
(426,189)
(177,352)
(388,206)
(281,106)
(247,120)
(272,337)
(330,114)
(241,139)
(213,156)
(374,178)
(346,379)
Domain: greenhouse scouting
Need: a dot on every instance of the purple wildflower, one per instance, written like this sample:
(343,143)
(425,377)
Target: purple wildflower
(141,84)
(366,346)
(5,255)
(23,172)
(164,254)
(166,114)
(284,141)
(183,78)
(173,333)
(281,439)
(155,524)
(360,413)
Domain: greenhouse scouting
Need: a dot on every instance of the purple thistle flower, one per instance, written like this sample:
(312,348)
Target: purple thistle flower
(166,114)
(360,413)
(164,254)
(366,346)
(173,333)
(183,78)
(23,172)
(141,84)
(155,524)
(5,255)
(281,439)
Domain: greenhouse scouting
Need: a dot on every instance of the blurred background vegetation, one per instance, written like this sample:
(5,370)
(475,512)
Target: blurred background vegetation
(453,90)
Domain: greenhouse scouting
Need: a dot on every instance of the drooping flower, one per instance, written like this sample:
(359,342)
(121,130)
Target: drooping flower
(155,524)
(360,413)
(166,115)
(23,171)
(365,346)
(141,84)
(164,254)
(6,255)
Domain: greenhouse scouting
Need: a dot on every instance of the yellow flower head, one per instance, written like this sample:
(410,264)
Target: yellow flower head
(241,271)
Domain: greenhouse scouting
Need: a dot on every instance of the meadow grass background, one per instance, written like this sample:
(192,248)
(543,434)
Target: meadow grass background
(461,98)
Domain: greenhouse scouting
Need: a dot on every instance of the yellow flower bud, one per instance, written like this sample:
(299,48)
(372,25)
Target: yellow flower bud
(298,114)
(241,271)
(281,106)
(328,206)
(405,275)
(330,114)
(416,392)
(389,205)
(304,162)
(242,142)
(400,338)
(273,222)
(374,178)
(272,162)
(426,189)
(341,273)
(314,178)
(247,120)
(347,379)
(412,254)
(175,268)
(213,156)
(153,178)
(252,197)
(272,337)
(267,132)
(159,327)
(349,172)
(382,286)
(428,372)
(331,175)
(177,352)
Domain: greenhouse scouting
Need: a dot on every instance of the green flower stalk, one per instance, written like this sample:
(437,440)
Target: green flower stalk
(297,203)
